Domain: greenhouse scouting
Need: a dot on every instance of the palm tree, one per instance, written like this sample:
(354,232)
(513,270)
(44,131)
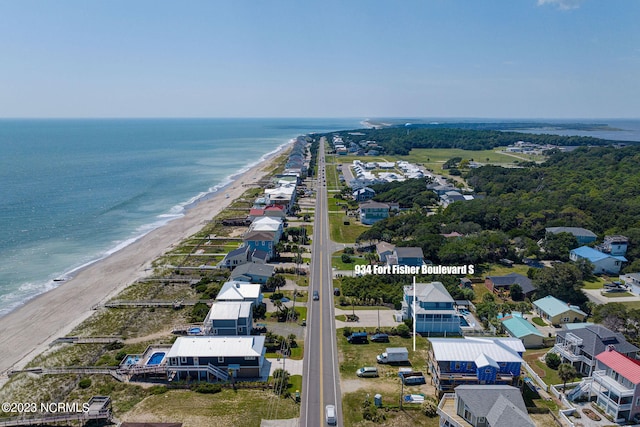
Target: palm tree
(566,372)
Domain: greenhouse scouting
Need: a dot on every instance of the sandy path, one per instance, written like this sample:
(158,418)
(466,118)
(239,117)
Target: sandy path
(27,331)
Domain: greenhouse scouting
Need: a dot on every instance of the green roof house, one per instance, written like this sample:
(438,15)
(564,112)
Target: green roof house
(558,312)
(519,327)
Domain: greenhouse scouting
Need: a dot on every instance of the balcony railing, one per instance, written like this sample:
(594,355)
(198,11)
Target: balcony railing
(606,383)
(566,353)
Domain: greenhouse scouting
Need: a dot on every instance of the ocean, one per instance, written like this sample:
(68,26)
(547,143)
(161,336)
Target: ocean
(74,191)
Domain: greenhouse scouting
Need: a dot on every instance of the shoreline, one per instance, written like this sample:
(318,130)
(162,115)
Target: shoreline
(30,327)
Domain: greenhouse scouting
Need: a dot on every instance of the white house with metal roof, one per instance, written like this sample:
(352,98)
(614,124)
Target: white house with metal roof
(603,263)
(234,291)
(229,318)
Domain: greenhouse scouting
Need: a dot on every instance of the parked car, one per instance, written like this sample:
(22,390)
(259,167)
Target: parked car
(367,372)
(316,296)
(336,291)
(380,338)
(358,338)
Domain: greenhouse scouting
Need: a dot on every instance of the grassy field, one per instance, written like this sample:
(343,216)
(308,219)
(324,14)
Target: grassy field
(355,356)
(410,415)
(336,261)
(227,408)
(341,233)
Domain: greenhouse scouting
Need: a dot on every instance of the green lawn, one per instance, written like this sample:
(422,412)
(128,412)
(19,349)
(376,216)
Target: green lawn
(594,283)
(548,375)
(341,233)
(538,321)
(336,261)
(616,294)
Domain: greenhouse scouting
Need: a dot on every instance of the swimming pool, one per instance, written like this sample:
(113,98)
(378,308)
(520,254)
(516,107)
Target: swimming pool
(463,321)
(155,359)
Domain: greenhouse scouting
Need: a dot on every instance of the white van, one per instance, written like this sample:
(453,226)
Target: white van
(330,414)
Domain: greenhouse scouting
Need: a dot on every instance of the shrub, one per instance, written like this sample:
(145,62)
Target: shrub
(158,389)
(85,383)
(552,360)
(347,331)
(429,408)
(346,259)
(207,388)
(403,330)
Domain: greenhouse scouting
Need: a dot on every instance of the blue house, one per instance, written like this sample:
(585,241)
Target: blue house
(459,361)
(582,235)
(261,240)
(434,309)
(253,273)
(412,256)
(603,263)
(206,358)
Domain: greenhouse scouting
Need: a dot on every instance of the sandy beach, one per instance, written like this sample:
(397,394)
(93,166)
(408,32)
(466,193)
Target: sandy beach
(28,330)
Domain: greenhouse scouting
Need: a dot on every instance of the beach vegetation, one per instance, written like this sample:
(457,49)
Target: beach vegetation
(199,312)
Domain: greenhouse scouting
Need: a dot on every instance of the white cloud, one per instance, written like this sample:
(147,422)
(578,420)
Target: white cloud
(562,4)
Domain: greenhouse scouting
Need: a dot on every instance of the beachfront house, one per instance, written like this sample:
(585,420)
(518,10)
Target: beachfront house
(262,241)
(603,263)
(434,309)
(236,257)
(372,212)
(270,224)
(207,358)
(519,327)
(229,318)
(504,283)
(582,235)
(484,406)
(234,291)
(558,312)
(614,386)
(459,361)
(580,346)
(253,272)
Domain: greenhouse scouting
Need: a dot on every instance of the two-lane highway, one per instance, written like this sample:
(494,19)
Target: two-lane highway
(321,376)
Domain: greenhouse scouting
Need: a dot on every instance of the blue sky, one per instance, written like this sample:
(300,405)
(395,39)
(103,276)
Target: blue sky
(330,58)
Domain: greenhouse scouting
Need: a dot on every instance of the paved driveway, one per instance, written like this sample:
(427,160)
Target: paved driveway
(368,318)
(595,296)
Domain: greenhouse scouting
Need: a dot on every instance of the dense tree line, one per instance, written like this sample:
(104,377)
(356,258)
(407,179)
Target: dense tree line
(597,188)
(400,140)
(406,193)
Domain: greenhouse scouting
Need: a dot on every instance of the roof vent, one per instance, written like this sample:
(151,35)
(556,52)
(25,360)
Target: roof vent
(611,347)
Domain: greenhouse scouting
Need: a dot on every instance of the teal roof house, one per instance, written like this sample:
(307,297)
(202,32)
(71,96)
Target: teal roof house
(520,328)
